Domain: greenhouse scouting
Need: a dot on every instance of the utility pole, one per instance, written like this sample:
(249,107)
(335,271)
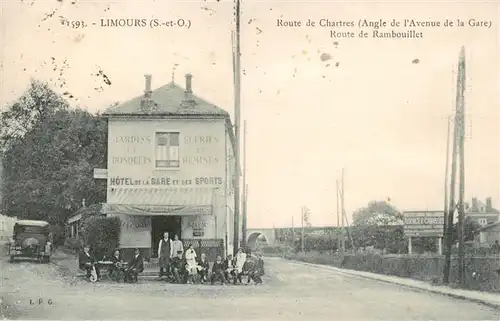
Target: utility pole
(293,233)
(302,232)
(237,103)
(446,181)
(461,156)
(245,192)
(338,215)
(341,191)
(452,206)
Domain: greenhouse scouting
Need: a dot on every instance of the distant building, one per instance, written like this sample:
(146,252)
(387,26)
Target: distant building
(487,235)
(6,227)
(483,213)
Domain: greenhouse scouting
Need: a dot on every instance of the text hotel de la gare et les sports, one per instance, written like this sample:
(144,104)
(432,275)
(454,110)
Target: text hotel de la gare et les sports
(382,28)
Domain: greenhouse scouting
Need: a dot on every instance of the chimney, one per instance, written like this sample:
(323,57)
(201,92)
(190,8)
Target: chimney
(474,207)
(489,205)
(147,89)
(146,102)
(188,93)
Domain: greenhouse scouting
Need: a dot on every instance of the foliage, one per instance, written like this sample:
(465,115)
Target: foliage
(57,234)
(388,237)
(37,104)
(73,244)
(102,234)
(50,152)
(377,213)
(470,228)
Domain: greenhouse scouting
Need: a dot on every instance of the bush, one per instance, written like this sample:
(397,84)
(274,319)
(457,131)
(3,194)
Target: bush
(315,257)
(102,234)
(278,249)
(57,234)
(73,244)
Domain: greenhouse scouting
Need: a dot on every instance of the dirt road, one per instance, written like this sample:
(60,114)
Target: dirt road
(294,291)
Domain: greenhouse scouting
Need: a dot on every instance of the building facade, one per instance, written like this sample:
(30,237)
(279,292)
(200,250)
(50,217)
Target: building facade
(483,213)
(6,228)
(171,169)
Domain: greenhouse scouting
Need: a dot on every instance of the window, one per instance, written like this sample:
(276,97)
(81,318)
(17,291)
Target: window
(167,150)
(482,221)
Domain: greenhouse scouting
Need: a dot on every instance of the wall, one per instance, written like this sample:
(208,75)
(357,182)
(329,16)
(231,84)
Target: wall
(490,235)
(198,223)
(488,217)
(6,228)
(131,154)
(131,164)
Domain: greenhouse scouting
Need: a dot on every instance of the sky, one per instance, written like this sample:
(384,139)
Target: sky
(376,107)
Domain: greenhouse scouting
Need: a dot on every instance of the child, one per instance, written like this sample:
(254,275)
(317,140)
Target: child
(191,265)
(218,271)
(203,267)
(241,257)
(229,265)
(178,268)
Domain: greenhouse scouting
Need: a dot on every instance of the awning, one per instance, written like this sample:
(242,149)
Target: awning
(160,201)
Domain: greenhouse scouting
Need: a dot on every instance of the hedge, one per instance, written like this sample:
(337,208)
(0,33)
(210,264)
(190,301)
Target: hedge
(102,234)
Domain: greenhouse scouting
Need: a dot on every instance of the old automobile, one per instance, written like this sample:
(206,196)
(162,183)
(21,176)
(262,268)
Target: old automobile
(31,240)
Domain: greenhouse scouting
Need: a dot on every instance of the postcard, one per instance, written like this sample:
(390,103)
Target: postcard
(249,160)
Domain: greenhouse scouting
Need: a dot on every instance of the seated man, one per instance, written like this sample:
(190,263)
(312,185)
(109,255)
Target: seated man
(135,266)
(259,270)
(87,262)
(229,268)
(115,271)
(241,258)
(249,267)
(178,268)
(203,267)
(218,271)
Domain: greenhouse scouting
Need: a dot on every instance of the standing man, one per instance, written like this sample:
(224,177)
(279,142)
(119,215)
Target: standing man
(165,254)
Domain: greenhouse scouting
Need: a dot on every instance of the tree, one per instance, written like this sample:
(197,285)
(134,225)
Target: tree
(37,104)
(379,225)
(377,213)
(50,151)
(470,228)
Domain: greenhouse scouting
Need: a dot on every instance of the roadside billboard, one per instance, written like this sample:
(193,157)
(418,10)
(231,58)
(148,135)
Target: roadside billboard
(423,223)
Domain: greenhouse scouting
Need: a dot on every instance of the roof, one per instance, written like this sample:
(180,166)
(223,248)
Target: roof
(167,100)
(489,212)
(89,209)
(488,226)
(32,223)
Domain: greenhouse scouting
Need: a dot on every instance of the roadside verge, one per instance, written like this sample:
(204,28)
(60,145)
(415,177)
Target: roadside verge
(489,299)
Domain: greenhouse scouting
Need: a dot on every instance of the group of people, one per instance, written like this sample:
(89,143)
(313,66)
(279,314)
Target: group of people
(117,268)
(185,267)
(178,266)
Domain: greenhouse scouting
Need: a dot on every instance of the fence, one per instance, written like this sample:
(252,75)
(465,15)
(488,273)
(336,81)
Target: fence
(482,272)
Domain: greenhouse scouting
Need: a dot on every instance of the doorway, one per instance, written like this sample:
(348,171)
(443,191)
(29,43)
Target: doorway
(161,224)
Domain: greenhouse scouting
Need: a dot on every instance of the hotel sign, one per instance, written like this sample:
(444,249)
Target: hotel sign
(166,181)
(423,223)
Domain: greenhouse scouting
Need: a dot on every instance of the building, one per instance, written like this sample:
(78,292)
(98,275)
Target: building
(171,168)
(6,228)
(483,213)
(487,235)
